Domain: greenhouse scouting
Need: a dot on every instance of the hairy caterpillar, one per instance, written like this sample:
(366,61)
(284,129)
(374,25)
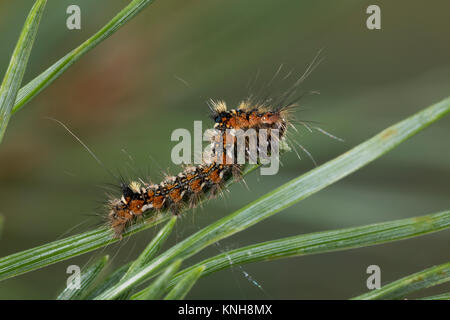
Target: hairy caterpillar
(271,114)
(190,184)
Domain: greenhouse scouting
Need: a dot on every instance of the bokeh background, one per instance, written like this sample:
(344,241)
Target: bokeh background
(125,97)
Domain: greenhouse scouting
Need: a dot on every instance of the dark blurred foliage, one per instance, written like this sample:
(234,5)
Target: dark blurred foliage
(125,97)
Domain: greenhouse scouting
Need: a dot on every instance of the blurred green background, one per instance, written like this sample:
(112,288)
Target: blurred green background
(125,97)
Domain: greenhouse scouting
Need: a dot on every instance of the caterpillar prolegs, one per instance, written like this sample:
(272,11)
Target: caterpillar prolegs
(193,182)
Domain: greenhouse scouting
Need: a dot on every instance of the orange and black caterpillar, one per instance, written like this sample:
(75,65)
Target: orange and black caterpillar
(186,188)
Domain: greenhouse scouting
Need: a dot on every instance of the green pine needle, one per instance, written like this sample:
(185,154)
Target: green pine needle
(325,241)
(401,288)
(87,277)
(157,288)
(18,64)
(181,289)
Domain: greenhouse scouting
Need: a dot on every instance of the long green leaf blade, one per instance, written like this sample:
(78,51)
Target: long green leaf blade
(35,258)
(156,289)
(18,64)
(401,288)
(88,275)
(326,241)
(110,280)
(35,86)
(288,194)
(185,284)
(153,247)
(149,252)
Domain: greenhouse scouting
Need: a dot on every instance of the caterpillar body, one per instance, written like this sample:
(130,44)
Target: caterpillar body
(193,182)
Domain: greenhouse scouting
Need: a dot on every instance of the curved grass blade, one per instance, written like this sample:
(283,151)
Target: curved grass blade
(420,280)
(181,289)
(326,241)
(156,289)
(87,278)
(35,86)
(288,194)
(18,64)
